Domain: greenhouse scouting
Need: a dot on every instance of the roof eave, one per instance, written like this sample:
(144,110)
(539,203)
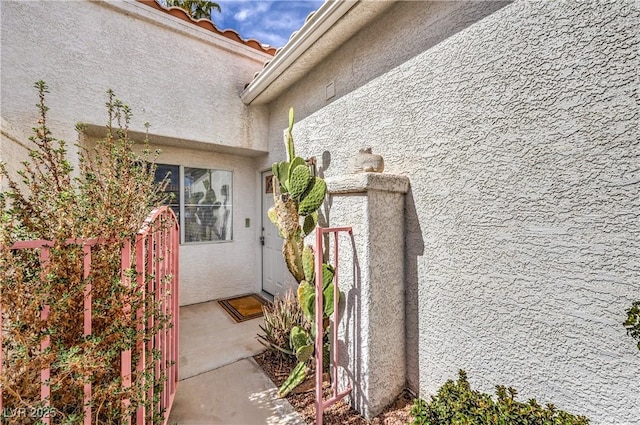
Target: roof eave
(323,19)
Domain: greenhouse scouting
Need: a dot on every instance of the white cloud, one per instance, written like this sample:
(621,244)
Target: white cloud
(267,37)
(270,22)
(242,15)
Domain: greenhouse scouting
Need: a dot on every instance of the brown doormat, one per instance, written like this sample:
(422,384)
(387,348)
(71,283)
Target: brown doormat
(245,307)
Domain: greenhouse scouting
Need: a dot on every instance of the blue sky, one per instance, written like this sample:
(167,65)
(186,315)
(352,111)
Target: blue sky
(269,22)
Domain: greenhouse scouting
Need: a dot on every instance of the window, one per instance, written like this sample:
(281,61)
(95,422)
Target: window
(172,174)
(202,200)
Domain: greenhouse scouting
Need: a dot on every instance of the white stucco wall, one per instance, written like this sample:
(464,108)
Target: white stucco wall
(183,80)
(214,270)
(520,138)
(381,45)
(14,149)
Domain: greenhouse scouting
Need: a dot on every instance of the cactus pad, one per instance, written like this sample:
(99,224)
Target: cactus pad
(308,263)
(327,275)
(297,161)
(299,180)
(298,337)
(307,299)
(310,222)
(283,176)
(272,215)
(304,353)
(314,197)
(292,248)
(297,376)
(291,152)
(327,297)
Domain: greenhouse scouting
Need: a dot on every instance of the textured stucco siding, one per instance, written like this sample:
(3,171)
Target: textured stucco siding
(520,138)
(380,46)
(183,80)
(13,149)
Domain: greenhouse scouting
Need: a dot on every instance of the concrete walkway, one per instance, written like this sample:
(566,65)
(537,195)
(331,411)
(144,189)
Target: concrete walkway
(220,383)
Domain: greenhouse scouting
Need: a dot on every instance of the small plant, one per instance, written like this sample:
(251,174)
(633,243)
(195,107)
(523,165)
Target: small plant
(279,319)
(633,322)
(457,403)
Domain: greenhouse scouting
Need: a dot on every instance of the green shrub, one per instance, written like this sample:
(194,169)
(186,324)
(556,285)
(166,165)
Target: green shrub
(108,196)
(457,404)
(633,321)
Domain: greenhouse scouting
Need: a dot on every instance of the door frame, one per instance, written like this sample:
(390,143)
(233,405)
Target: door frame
(261,228)
(261,232)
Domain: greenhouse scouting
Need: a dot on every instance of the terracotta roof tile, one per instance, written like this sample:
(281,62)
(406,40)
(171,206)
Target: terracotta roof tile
(210,26)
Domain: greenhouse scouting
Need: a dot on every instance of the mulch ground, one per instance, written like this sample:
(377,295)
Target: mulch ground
(397,413)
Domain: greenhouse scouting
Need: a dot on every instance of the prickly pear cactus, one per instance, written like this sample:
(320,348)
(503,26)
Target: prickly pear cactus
(297,197)
(295,163)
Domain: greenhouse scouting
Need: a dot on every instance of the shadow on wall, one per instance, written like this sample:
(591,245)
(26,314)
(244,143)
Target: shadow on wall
(354,338)
(414,248)
(445,19)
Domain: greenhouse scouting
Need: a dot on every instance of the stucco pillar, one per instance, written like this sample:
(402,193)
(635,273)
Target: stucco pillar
(371,276)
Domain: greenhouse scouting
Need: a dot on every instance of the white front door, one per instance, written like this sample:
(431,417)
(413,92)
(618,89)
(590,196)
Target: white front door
(274,269)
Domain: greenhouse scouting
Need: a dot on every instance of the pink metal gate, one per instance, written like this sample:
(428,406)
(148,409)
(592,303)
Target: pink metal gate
(156,263)
(321,404)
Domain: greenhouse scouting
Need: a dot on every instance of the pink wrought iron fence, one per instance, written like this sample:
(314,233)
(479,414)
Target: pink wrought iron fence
(321,403)
(156,264)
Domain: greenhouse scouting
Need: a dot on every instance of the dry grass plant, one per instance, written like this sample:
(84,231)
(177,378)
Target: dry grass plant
(279,318)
